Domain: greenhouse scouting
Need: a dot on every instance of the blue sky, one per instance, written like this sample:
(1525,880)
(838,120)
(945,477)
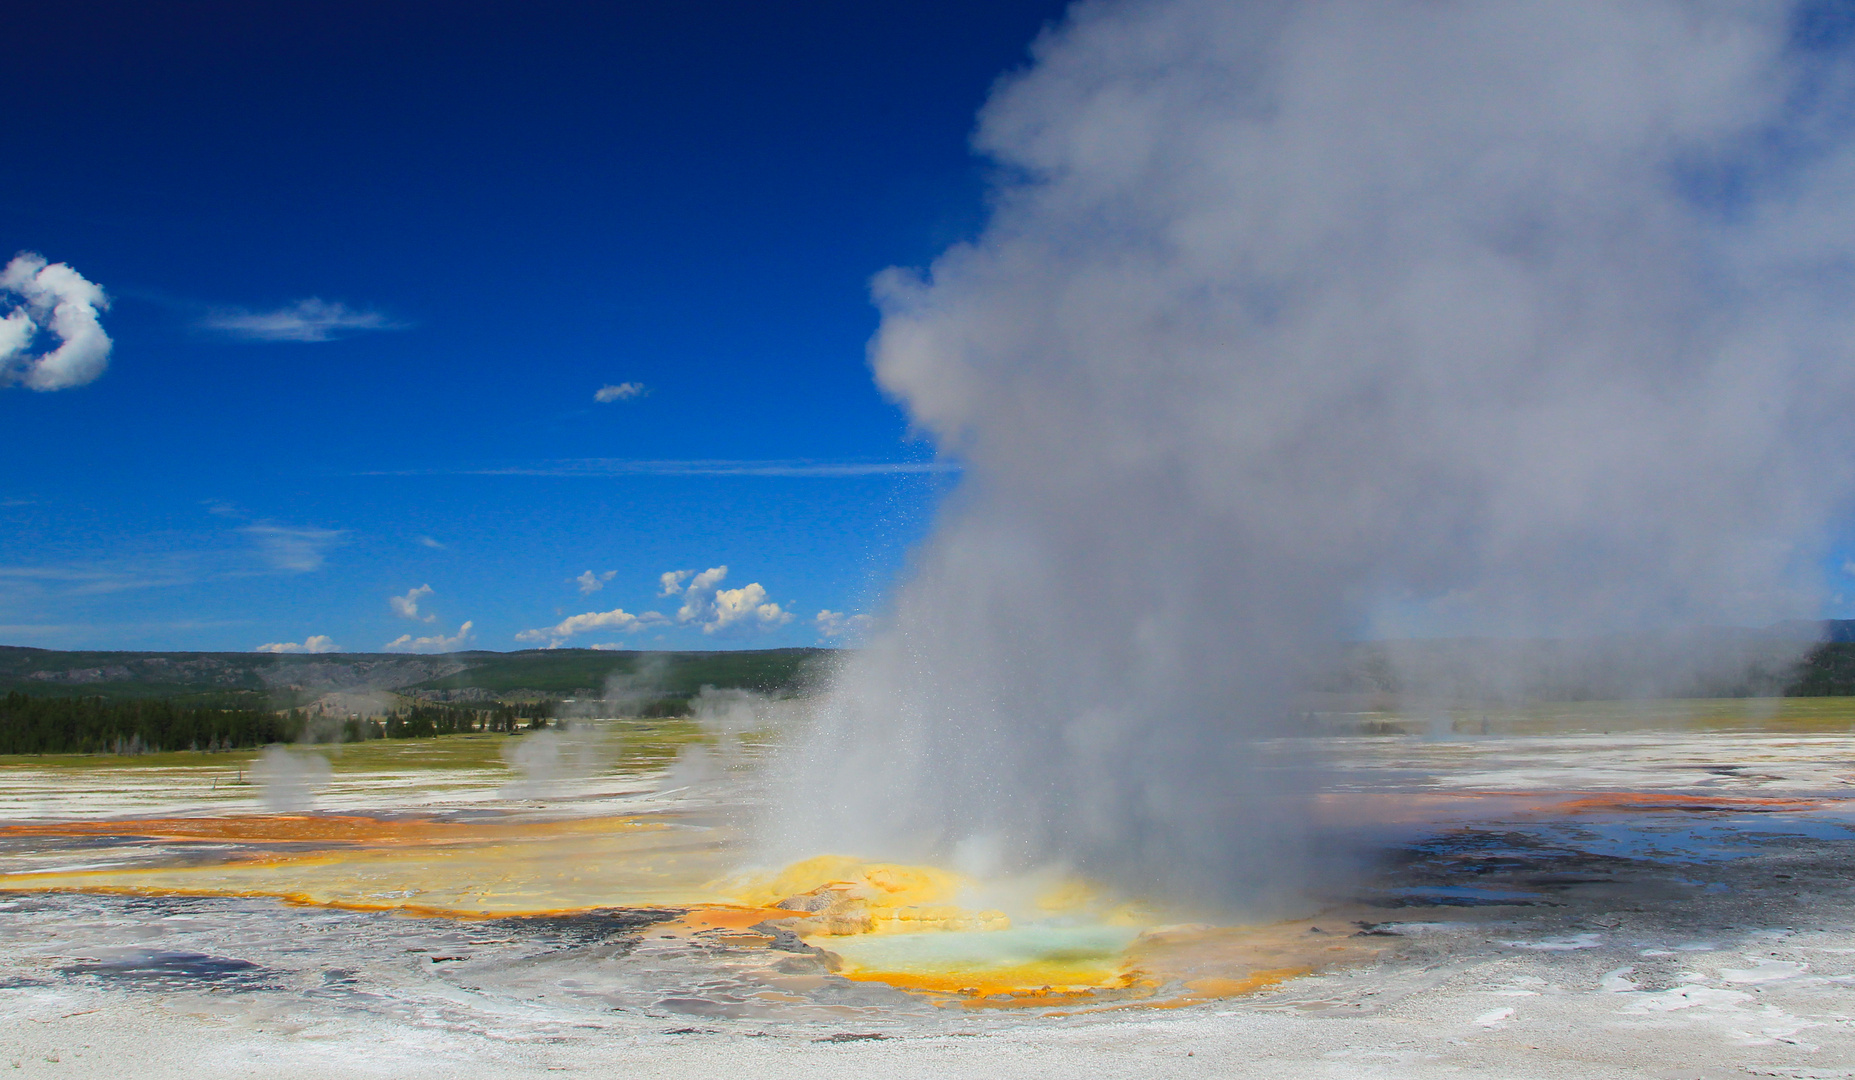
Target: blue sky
(370,264)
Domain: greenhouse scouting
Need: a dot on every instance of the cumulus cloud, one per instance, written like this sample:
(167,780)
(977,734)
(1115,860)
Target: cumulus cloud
(705,604)
(617,619)
(624,391)
(590,582)
(834,624)
(698,598)
(285,547)
(716,609)
(306,320)
(315,643)
(436,643)
(52,297)
(407,606)
(744,608)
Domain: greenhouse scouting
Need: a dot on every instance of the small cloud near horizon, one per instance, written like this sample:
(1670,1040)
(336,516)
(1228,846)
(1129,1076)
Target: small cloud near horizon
(306,320)
(624,391)
(590,582)
(836,624)
(315,643)
(705,604)
(407,606)
(435,643)
(617,619)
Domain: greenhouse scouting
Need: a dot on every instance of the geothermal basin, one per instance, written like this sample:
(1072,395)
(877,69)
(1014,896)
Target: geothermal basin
(1597,889)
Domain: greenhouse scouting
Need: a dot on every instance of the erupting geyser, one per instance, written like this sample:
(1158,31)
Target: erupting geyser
(1295,321)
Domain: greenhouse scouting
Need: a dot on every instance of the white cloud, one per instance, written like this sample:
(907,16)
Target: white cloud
(716,609)
(315,643)
(407,606)
(744,608)
(590,582)
(705,604)
(833,624)
(617,619)
(57,298)
(698,599)
(607,646)
(624,391)
(295,549)
(305,320)
(429,542)
(1848,567)
(436,643)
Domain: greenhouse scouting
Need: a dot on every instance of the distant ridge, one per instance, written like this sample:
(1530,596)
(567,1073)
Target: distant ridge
(1837,631)
(282,680)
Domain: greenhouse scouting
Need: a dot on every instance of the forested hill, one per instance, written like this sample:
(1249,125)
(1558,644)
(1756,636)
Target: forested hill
(666,679)
(464,676)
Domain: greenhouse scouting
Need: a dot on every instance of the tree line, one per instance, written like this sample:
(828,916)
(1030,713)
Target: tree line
(93,725)
(81,725)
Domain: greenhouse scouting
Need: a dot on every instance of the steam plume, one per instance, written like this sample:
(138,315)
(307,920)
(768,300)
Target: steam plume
(1297,321)
(287,780)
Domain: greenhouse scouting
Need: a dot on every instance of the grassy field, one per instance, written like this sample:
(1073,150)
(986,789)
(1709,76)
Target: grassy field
(626,744)
(565,672)
(634,744)
(1799,715)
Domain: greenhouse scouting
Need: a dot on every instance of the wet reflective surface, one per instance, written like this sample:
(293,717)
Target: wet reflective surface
(1663,892)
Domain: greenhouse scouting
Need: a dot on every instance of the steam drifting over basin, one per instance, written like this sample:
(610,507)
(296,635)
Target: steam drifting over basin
(1301,321)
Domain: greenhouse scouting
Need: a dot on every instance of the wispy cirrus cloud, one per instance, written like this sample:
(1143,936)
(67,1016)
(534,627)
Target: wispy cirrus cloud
(624,391)
(621,467)
(93,635)
(106,576)
(313,319)
(296,549)
(273,549)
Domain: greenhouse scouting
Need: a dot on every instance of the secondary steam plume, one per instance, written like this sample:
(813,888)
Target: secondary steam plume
(1295,321)
(287,780)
